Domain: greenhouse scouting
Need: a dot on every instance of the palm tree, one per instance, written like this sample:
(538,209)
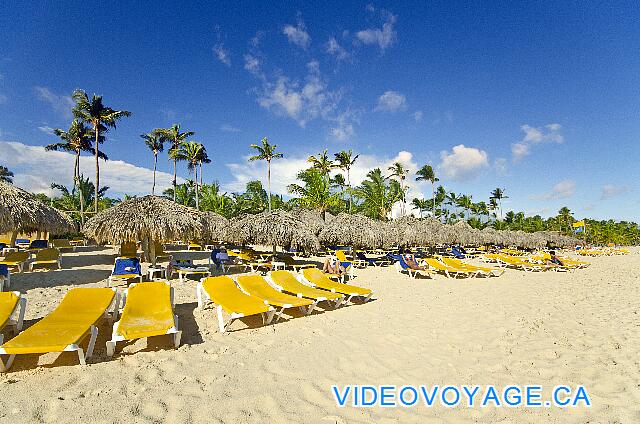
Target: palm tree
(190,152)
(322,163)
(482,209)
(101,118)
(399,171)
(175,137)
(452,200)
(465,203)
(315,193)
(76,140)
(155,143)
(184,193)
(493,205)
(498,194)
(378,196)
(426,173)
(565,216)
(266,152)
(420,204)
(204,158)
(6,175)
(345,161)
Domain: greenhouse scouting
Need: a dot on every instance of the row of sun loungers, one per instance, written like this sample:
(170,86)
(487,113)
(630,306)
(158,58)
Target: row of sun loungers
(149,310)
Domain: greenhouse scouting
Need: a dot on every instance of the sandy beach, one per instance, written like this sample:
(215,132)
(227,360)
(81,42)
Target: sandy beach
(577,328)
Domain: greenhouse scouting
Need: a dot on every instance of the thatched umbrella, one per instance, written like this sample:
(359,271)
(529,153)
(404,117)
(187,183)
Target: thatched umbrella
(151,217)
(463,233)
(492,236)
(22,211)
(311,218)
(356,231)
(276,228)
(215,226)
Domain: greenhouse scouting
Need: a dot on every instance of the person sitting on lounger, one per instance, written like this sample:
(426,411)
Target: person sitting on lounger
(554,260)
(332,266)
(410,260)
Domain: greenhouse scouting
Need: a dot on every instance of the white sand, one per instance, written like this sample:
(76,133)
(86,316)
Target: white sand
(547,329)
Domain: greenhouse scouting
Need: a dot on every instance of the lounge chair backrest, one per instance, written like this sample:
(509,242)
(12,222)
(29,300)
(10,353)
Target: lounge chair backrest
(223,291)
(4,270)
(312,274)
(39,244)
(361,256)
(125,266)
(403,263)
(8,303)
(256,284)
(149,309)
(16,257)
(48,255)
(61,244)
(341,256)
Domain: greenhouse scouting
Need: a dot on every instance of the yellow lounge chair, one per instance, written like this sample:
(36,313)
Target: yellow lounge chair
(15,260)
(46,257)
(194,245)
(63,244)
(10,302)
(457,263)
(346,263)
(257,286)
(316,278)
(285,281)
(224,293)
(447,270)
(148,312)
(66,327)
(290,262)
(523,265)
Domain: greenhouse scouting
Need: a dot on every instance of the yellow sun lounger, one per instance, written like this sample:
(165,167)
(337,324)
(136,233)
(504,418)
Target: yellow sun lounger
(257,286)
(10,302)
(15,260)
(285,281)
(64,328)
(316,278)
(148,312)
(523,265)
(63,244)
(224,293)
(447,270)
(457,263)
(46,257)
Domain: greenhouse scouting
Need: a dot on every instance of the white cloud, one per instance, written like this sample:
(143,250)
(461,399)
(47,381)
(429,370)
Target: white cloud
(500,165)
(61,104)
(334,48)
(383,37)
(222,54)
(252,64)
(463,163)
(230,129)
(343,130)
(418,115)
(297,35)
(533,136)
(35,169)
(391,101)
(562,190)
(609,191)
(46,129)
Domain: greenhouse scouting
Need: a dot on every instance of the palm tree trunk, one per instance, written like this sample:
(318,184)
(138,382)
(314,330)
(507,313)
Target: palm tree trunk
(175,170)
(195,170)
(433,200)
(155,165)
(350,193)
(500,204)
(76,182)
(95,200)
(269,183)
(200,174)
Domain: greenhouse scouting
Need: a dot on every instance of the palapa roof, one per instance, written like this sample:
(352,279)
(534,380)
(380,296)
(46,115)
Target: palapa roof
(311,218)
(215,226)
(147,216)
(22,211)
(276,228)
(353,230)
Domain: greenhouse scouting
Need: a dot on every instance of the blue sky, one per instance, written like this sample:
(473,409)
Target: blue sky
(538,98)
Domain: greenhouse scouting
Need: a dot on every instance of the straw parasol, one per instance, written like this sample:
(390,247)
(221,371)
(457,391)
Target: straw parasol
(356,231)
(492,236)
(22,211)
(311,218)
(215,226)
(276,228)
(150,217)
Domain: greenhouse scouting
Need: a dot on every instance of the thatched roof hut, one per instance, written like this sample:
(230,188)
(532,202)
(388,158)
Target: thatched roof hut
(215,226)
(492,236)
(353,230)
(22,211)
(276,228)
(154,217)
(311,218)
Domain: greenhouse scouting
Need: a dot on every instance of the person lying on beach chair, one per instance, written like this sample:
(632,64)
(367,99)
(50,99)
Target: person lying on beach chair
(333,268)
(554,260)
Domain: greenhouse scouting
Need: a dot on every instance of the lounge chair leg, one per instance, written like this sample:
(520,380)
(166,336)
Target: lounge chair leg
(81,358)
(23,306)
(270,315)
(220,319)
(368,298)
(92,341)
(176,339)
(199,295)
(338,302)
(5,367)
(111,348)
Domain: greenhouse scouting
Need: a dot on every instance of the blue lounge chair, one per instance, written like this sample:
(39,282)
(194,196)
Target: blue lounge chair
(39,245)
(125,269)
(5,277)
(401,266)
(457,253)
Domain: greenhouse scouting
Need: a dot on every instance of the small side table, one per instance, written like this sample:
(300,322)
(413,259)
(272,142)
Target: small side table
(151,272)
(278,265)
